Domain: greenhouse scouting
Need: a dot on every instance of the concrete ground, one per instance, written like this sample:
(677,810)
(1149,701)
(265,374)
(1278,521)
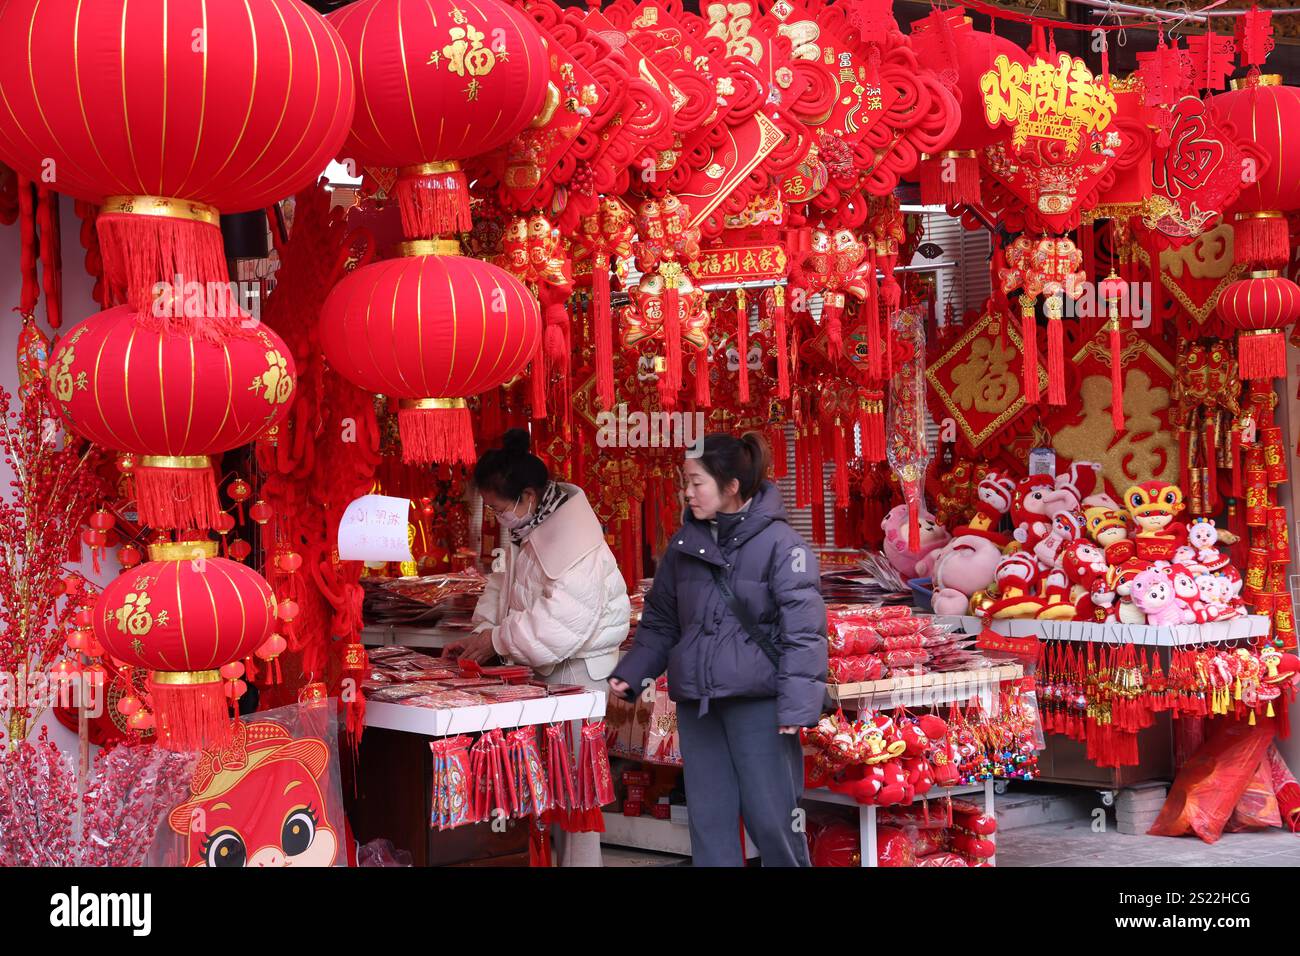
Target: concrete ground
(1074,843)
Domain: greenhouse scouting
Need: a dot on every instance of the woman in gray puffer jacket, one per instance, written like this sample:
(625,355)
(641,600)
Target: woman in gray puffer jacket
(739,711)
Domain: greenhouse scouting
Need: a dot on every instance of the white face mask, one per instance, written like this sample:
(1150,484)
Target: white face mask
(508,519)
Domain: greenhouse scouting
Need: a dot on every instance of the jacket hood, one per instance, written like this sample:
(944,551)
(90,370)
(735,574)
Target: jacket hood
(567,535)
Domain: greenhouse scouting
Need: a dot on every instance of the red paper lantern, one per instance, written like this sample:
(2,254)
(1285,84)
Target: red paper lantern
(1261,113)
(183,615)
(173,400)
(429,330)
(947,40)
(436,82)
(165,112)
(1259,309)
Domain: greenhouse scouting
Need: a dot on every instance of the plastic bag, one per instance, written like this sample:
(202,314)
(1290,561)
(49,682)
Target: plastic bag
(1257,808)
(1209,785)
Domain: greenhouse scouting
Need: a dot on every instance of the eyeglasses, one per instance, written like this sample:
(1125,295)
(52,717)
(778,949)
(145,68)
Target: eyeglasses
(501,511)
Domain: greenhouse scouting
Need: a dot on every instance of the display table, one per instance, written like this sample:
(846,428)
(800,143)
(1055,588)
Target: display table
(473,720)
(1143,635)
(377,635)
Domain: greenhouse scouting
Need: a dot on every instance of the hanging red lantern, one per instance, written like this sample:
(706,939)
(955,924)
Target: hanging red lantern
(288,561)
(438,82)
(947,42)
(260,511)
(164,112)
(240,549)
(129,556)
(239,490)
(1259,309)
(183,615)
(1261,109)
(173,400)
(429,330)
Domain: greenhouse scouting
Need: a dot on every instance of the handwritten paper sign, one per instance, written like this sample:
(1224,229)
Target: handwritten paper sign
(374,529)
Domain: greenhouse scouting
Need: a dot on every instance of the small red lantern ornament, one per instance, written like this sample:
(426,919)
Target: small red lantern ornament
(428,330)
(260,511)
(183,615)
(1259,309)
(129,556)
(164,112)
(437,82)
(1261,109)
(171,399)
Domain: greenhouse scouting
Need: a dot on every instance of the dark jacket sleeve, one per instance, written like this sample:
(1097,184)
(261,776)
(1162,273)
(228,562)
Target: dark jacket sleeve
(656,632)
(801,678)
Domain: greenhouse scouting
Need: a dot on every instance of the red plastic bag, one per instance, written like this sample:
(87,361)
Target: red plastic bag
(1209,785)
(1257,808)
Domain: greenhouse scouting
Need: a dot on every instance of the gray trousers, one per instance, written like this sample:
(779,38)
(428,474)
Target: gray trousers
(737,764)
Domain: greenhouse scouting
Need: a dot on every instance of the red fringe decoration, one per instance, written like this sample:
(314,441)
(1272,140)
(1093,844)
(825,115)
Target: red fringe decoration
(841,466)
(702,397)
(832,313)
(434,205)
(1055,362)
(140,251)
(1088,246)
(1029,333)
(602,320)
(436,435)
(873,430)
(1236,464)
(673,337)
(1261,355)
(782,345)
(1116,382)
(190,717)
(1288,802)
(949,180)
(176,497)
(51,257)
(742,345)
(875,355)
(27,246)
(537,383)
(817,475)
(780,453)
(1261,239)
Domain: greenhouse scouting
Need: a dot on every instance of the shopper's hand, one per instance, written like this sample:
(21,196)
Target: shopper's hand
(789,730)
(476,649)
(619,687)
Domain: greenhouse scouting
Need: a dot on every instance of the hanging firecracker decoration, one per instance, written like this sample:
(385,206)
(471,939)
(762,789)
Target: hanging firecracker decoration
(906,445)
(1112,289)
(436,83)
(173,401)
(430,330)
(1260,309)
(183,615)
(252,111)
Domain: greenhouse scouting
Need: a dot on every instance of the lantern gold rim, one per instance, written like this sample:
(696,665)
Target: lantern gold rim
(951,154)
(1260,332)
(437,404)
(1264,79)
(186,462)
(186,678)
(1261,214)
(428,169)
(1265,274)
(428,247)
(182,550)
(164,207)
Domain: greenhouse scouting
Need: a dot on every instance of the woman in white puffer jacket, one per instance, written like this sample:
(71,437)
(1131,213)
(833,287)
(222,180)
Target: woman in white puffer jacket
(555,600)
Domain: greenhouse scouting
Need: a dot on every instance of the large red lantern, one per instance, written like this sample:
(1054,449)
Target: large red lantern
(439,81)
(1259,309)
(430,330)
(172,399)
(1261,110)
(166,112)
(947,42)
(183,615)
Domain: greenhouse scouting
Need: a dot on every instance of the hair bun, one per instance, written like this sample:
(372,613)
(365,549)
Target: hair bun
(516,441)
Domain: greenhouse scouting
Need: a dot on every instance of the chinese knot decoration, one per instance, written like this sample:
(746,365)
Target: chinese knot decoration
(1048,267)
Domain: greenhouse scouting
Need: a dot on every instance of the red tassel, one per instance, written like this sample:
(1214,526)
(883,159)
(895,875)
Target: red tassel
(1116,379)
(1261,354)
(1262,238)
(1236,464)
(782,344)
(176,497)
(702,396)
(51,256)
(537,382)
(673,336)
(140,250)
(780,453)
(28,246)
(190,717)
(841,466)
(433,204)
(832,312)
(602,320)
(436,435)
(1055,362)
(950,178)
(875,353)
(1029,333)
(873,432)
(742,344)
